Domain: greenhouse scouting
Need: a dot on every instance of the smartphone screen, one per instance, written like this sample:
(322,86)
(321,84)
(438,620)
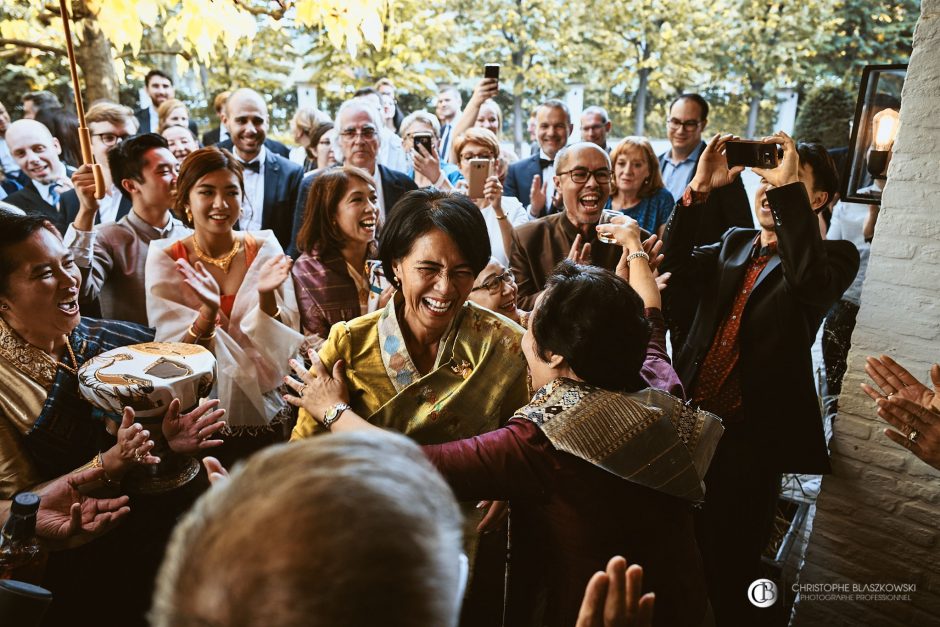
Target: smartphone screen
(751,154)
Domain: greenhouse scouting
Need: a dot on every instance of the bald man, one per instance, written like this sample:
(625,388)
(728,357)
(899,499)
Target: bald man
(582,175)
(37,152)
(271,181)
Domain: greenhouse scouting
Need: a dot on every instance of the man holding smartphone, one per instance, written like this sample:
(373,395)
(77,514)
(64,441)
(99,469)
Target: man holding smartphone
(762,294)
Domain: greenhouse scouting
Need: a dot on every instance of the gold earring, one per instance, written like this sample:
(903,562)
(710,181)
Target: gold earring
(189,216)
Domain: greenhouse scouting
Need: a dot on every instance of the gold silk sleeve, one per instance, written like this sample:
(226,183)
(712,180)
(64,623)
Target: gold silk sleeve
(335,347)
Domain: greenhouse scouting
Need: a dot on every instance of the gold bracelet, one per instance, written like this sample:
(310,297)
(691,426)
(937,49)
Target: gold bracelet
(277,313)
(638,255)
(206,338)
(502,217)
(189,331)
(97,462)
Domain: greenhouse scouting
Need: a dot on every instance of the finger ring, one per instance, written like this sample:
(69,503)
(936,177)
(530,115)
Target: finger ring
(890,394)
(137,455)
(302,388)
(912,436)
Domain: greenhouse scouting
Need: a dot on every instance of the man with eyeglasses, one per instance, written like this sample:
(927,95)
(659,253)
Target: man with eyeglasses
(109,124)
(112,256)
(595,126)
(727,206)
(391,148)
(358,141)
(272,182)
(582,174)
(532,180)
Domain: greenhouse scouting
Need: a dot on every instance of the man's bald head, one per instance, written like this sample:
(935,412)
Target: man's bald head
(35,150)
(583,200)
(575,153)
(246,117)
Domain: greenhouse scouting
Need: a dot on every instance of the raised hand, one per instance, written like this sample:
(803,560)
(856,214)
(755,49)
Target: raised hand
(496,513)
(201,282)
(493,191)
(613,598)
(133,442)
(192,433)
(713,170)
(580,253)
(485,89)
(893,379)
(216,471)
(788,170)
(273,273)
(537,195)
(67,518)
(83,181)
(428,164)
(918,427)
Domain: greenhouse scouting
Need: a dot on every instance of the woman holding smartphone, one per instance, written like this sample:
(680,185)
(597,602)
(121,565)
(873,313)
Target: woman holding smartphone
(336,277)
(501,213)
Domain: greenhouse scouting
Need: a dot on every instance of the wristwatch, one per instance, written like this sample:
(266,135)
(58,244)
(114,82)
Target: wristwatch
(333,413)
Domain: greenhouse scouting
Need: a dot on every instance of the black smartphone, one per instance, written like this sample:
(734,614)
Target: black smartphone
(424,139)
(752,154)
(491,70)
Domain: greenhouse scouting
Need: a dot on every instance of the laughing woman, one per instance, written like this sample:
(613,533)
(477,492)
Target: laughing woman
(229,291)
(337,278)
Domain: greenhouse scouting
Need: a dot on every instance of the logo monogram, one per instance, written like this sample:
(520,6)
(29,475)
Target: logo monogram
(762,593)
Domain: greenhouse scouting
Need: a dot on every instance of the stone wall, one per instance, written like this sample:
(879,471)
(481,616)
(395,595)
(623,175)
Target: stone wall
(878,514)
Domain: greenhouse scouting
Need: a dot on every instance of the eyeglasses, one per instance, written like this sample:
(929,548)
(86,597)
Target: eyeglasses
(494,284)
(469,156)
(366,132)
(688,125)
(110,139)
(581,175)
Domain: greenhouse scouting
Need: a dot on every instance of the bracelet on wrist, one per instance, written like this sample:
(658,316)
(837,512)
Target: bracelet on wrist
(638,255)
(97,462)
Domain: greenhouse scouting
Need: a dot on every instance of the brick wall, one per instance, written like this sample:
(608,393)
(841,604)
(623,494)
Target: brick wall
(878,514)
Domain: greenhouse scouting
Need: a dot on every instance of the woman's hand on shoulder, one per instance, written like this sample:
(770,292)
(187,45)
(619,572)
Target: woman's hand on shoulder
(317,389)
(273,273)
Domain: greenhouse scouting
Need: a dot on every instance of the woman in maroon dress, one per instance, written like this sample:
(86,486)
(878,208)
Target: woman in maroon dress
(595,465)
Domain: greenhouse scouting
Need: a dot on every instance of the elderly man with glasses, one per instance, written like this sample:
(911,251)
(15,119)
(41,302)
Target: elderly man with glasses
(582,174)
(357,130)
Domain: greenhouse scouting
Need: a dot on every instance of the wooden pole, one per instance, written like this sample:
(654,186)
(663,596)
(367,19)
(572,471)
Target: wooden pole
(84,136)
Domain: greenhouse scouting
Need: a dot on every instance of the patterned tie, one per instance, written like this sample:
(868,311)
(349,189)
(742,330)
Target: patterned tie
(54,194)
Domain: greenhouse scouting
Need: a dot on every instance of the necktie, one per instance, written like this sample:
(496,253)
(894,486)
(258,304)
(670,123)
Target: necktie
(54,194)
(254,166)
(544,163)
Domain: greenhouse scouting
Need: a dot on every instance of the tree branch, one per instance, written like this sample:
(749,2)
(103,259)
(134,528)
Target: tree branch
(181,53)
(31,44)
(277,14)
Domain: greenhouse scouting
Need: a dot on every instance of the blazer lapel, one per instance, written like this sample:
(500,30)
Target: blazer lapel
(733,272)
(773,263)
(272,175)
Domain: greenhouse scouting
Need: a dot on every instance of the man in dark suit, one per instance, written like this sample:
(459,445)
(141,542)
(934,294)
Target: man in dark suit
(272,145)
(531,180)
(358,124)
(727,206)
(159,88)
(219,133)
(763,294)
(36,153)
(271,181)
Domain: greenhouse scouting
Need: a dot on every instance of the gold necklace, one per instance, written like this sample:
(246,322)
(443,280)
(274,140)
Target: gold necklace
(223,262)
(74,370)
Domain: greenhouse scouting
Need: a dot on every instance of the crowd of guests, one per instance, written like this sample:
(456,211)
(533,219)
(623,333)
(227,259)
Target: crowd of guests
(359,282)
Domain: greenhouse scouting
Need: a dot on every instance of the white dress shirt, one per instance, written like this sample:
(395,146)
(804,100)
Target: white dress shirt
(379,196)
(548,176)
(253,204)
(108,206)
(154,119)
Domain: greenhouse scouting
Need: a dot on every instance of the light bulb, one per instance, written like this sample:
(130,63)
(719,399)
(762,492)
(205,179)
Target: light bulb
(884,129)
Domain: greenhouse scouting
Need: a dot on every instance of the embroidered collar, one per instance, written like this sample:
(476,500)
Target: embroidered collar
(398,364)
(31,361)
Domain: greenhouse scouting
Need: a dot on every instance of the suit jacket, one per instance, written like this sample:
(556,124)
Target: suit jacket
(29,200)
(70,205)
(282,180)
(519,178)
(778,326)
(395,184)
(538,246)
(273,146)
(143,119)
(211,137)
